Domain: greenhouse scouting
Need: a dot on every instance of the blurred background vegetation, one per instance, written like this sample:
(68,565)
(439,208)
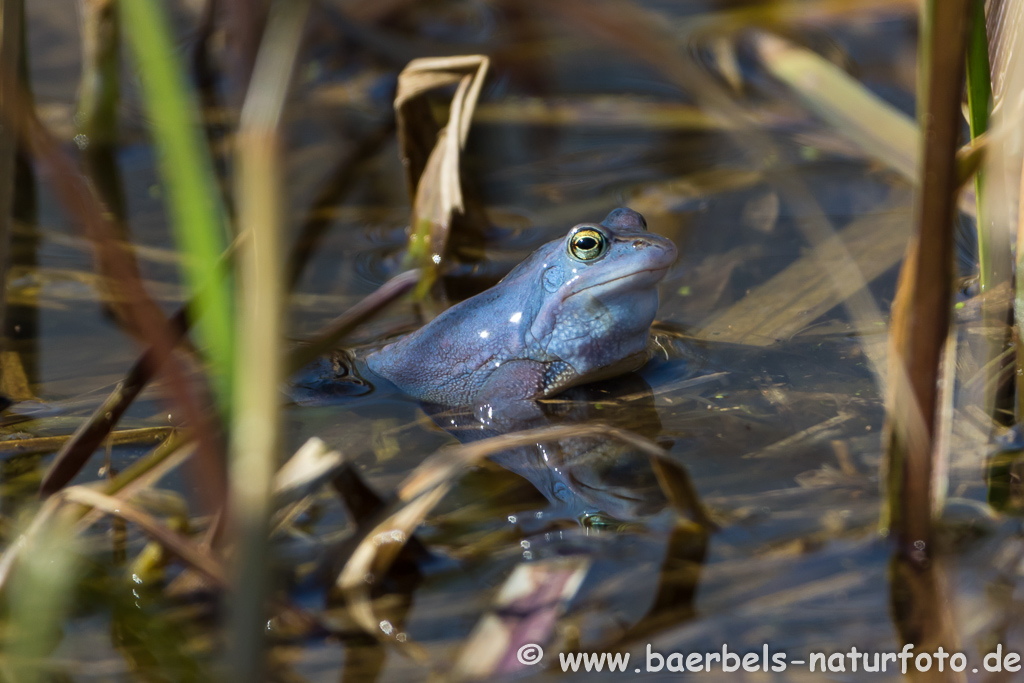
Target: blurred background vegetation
(209,209)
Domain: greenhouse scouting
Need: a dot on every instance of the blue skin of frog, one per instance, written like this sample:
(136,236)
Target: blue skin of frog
(579,309)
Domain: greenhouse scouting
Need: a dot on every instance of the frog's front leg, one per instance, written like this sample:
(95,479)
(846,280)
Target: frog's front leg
(512,388)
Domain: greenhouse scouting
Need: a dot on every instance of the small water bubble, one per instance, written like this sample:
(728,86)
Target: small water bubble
(82,140)
(401,637)
(525,545)
(511,519)
(136,578)
(527,555)
(386,627)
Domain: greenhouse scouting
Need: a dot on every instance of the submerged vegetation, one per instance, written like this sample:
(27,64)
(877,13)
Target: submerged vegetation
(208,225)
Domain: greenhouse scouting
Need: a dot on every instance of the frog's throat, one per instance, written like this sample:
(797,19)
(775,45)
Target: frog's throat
(544,322)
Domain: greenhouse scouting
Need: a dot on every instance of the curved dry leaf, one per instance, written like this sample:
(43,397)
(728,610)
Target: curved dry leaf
(431,155)
(305,470)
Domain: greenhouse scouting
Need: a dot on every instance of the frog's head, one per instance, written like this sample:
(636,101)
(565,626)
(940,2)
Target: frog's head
(613,258)
(598,290)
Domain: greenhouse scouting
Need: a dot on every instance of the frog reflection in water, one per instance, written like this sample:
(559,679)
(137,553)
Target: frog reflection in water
(579,309)
(591,478)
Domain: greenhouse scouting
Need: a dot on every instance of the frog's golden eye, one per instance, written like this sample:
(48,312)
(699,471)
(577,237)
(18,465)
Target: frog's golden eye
(587,244)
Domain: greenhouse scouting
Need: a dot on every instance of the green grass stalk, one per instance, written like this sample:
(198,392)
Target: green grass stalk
(995,262)
(979,96)
(192,192)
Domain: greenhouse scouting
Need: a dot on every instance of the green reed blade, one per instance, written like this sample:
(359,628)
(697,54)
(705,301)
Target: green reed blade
(979,95)
(192,192)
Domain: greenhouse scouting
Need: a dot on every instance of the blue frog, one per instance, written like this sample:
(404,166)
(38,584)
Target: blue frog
(579,309)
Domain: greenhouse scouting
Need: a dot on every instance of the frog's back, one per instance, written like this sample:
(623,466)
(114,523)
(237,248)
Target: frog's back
(450,360)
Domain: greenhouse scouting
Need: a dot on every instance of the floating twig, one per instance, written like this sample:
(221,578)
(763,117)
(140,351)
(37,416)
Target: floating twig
(46,444)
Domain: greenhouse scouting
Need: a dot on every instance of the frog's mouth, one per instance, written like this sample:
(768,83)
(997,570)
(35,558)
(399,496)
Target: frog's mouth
(659,272)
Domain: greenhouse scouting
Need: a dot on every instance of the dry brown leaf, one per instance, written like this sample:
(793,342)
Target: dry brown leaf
(431,155)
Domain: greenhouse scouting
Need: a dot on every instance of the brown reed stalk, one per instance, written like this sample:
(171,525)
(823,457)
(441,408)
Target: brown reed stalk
(921,310)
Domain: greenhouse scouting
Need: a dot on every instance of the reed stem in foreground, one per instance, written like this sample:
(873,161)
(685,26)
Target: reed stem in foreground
(255,433)
(921,310)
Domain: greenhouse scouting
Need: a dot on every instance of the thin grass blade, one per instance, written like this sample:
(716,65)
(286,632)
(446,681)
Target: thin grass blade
(194,201)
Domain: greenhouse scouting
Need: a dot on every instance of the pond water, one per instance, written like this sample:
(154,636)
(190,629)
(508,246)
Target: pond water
(781,437)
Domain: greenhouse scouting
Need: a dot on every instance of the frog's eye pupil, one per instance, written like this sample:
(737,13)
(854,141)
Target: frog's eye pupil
(587,245)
